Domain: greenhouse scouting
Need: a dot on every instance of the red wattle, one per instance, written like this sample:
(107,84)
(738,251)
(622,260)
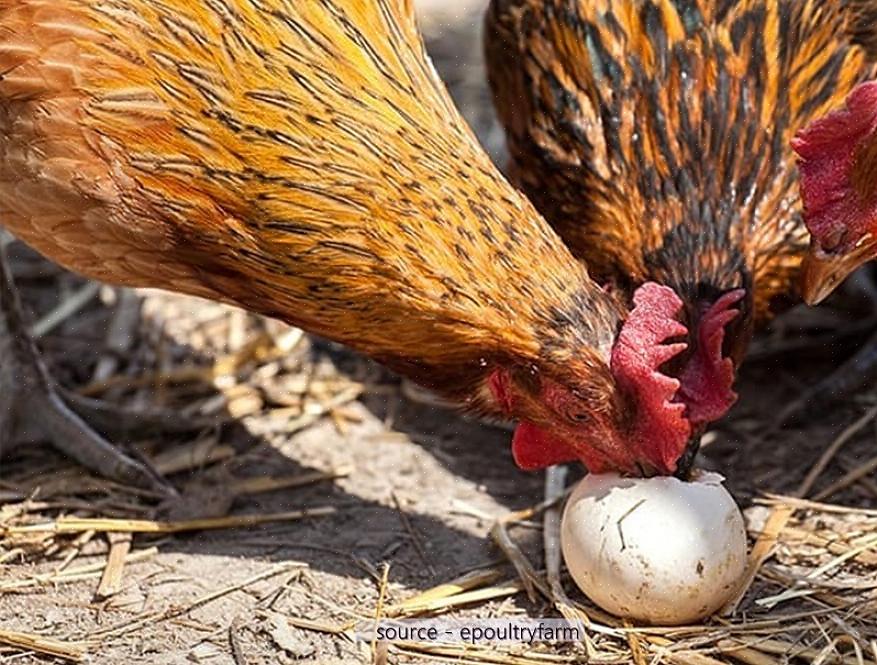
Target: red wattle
(534,448)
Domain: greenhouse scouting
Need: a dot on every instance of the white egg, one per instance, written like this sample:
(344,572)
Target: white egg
(657,550)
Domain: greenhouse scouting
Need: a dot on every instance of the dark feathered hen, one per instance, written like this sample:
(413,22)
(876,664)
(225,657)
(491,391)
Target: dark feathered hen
(654,135)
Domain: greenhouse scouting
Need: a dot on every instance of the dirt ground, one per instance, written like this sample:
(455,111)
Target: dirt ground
(412,486)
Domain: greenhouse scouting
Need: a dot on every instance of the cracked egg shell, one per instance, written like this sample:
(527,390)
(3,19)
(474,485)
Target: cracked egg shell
(657,550)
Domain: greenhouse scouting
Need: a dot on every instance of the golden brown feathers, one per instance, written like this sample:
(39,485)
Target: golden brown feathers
(300,159)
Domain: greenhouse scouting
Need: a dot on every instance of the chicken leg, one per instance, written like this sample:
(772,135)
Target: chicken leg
(29,398)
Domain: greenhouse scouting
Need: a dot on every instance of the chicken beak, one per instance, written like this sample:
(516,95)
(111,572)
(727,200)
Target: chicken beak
(685,464)
(824,271)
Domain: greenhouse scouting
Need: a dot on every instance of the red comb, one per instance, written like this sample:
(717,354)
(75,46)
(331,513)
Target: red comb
(662,429)
(828,149)
(708,377)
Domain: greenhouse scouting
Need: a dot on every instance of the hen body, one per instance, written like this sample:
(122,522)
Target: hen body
(280,157)
(655,135)
(302,160)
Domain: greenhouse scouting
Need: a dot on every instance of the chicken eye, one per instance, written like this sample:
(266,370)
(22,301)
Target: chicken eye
(579,417)
(833,240)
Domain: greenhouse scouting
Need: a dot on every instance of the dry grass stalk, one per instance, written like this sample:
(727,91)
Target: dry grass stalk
(761,552)
(11,554)
(469,581)
(457,600)
(749,656)
(318,626)
(829,454)
(636,651)
(500,535)
(260,484)
(692,659)
(46,646)
(806,504)
(77,574)
(379,649)
(775,647)
(867,484)
(111,580)
(67,308)
(555,489)
(77,524)
(847,479)
(234,641)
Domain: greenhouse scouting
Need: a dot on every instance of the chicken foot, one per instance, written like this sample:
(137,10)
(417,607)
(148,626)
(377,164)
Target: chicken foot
(30,399)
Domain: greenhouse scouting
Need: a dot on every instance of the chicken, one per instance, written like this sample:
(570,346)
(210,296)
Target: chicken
(654,135)
(302,160)
(838,165)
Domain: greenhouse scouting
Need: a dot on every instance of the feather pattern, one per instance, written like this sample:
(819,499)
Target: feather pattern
(300,159)
(654,134)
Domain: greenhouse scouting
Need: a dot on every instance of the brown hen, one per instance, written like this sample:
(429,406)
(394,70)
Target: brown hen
(655,137)
(302,160)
